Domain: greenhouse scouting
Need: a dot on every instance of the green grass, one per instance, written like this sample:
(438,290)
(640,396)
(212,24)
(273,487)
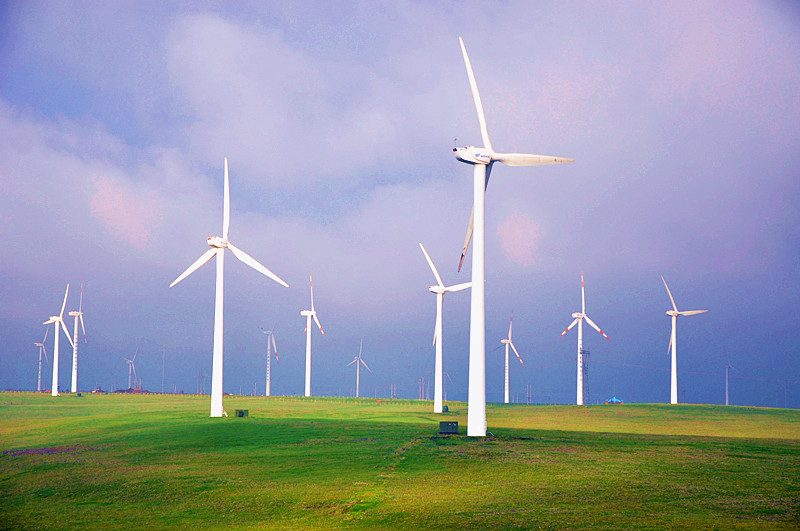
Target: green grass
(158,461)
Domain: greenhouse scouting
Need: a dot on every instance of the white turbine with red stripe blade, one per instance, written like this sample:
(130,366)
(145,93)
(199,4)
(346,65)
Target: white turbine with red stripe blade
(58,320)
(579,317)
(673,343)
(218,245)
(439,290)
(507,342)
(482,158)
(358,361)
(308,314)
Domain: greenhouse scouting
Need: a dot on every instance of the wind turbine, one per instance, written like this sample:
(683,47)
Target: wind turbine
(58,320)
(42,350)
(270,347)
(308,315)
(579,317)
(508,342)
(439,289)
(77,315)
(358,361)
(218,245)
(673,343)
(727,368)
(482,159)
(132,368)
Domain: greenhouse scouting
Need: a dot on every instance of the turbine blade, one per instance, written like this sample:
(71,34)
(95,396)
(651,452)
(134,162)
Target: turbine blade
(669,345)
(249,260)
(274,346)
(438,318)
(64,304)
(49,321)
(365,365)
(527,159)
(311,283)
(692,312)
(510,324)
(66,332)
(226,207)
(352,362)
(134,355)
(583,296)
(472,221)
(569,327)
(46,330)
(670,293)
(595,326)
(360,346)
(433,267)
(83,327)
(459,287)
(318,325)
(517,353)
(80,304)
(205,257)
(477,97)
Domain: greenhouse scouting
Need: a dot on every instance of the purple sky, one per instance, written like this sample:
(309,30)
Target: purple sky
(338,123)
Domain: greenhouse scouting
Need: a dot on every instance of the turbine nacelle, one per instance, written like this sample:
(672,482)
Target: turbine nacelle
(217,242)
(307,313)
(473,155)
(578,315)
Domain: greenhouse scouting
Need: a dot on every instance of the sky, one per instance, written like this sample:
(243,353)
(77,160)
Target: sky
(338,122)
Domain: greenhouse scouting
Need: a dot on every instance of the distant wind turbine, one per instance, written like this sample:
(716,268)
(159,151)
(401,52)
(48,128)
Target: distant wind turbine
(579,317)
(358,361)
(439,289)
(308,314)
(78,316)
(270,348)
(58,320)
(132,368)
(482,159)
(42,350)
(727,368)
(673,343)
(218,245)
(508,342)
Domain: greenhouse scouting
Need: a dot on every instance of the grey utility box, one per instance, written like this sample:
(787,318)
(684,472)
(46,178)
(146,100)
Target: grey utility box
(448,428)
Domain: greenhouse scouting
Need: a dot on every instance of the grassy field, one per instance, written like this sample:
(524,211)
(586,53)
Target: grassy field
(158,461)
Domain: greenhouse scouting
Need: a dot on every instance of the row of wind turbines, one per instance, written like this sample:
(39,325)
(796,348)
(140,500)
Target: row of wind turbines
(482,159)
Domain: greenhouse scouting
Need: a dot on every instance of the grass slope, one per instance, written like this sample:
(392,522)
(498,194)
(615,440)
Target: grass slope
(116,461)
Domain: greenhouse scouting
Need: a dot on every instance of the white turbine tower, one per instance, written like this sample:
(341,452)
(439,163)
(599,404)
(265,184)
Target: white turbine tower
(218,245)
(42,350)
(439,290)
(308,314)
(270,348)
(727,372)
(579,317)
(508,342)
(78,316)
(673,343)
(59,323)
(482,159)
(132,368)
(358,361)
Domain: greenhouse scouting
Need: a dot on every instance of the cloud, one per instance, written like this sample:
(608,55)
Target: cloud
(128,215)
(519,237)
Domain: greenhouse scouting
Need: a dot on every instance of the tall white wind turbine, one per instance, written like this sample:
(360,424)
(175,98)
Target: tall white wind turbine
(439,290)
(308,314)
(579,317)
(271,347)
(41,351)
(358,361)
(218,245)
(59,324)
(78,316)
(673,343)
(508,342)
(132,368)
(482,159)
